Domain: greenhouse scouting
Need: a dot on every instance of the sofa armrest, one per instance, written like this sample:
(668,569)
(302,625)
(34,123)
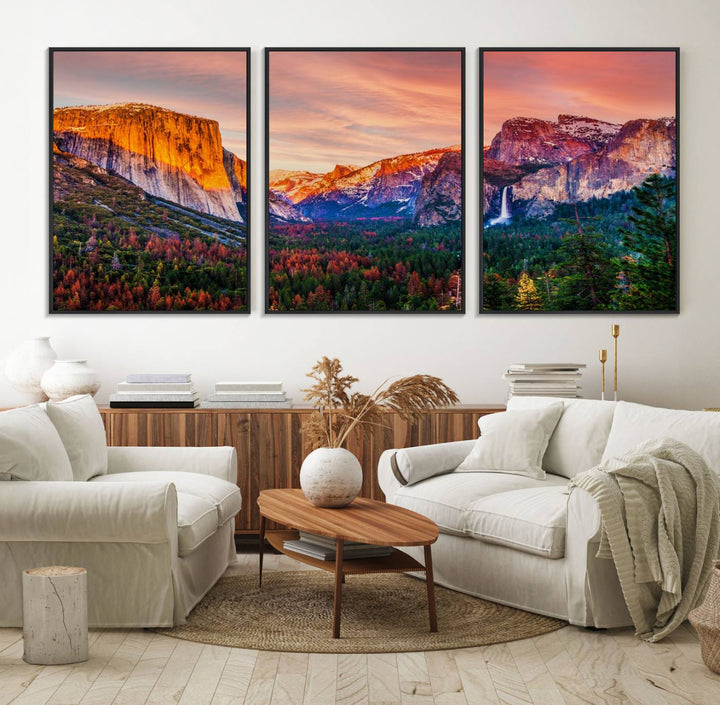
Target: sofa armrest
(406,466)
(583,519)
(88,512)
(219,461)
(594,594)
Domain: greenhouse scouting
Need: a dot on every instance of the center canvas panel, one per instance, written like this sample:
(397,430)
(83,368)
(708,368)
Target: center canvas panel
(364,166)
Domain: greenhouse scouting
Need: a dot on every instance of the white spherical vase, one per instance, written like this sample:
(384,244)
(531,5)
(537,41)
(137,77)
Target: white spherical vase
(331,477)
(66,378)
(26,365)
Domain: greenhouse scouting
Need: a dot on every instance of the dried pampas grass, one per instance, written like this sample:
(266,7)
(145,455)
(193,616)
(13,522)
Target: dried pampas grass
(338,410)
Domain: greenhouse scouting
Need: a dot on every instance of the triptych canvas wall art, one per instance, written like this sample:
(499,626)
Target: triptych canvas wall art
(364,180)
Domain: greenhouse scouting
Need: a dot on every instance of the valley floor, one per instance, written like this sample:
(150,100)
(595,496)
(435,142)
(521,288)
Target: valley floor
(569,666)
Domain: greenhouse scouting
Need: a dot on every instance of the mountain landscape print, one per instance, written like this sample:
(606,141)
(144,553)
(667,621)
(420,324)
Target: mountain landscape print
(365,180)
(149,201)
(579,166)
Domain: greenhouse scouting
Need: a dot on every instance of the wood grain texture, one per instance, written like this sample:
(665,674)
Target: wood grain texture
(270,443)
(572,666)
(364,520)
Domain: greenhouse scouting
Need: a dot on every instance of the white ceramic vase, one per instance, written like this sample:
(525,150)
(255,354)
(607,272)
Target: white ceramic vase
(66,378)
(26,366)
(331,477)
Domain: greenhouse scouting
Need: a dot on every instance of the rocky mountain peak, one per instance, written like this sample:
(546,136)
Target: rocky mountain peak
(533,141)
(168,154)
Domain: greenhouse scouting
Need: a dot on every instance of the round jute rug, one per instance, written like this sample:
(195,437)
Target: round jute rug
(380,613)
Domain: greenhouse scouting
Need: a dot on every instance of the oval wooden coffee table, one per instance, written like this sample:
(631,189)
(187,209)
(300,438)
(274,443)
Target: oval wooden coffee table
(366,521)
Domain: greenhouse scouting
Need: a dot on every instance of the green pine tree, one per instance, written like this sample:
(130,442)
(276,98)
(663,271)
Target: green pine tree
(497,293)
(651,239)
(589,273)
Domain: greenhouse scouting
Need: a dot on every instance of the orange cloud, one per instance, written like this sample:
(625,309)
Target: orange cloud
(355,107)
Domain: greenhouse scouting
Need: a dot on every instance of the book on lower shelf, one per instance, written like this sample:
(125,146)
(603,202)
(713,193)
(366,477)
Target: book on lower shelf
(326,552)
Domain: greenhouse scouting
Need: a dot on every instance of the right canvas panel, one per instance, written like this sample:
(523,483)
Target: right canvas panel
(579,187)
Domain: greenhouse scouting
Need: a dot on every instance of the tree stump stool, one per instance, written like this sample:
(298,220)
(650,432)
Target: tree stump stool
(55,615)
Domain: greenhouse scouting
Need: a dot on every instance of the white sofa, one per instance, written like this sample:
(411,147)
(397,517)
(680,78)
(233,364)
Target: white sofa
(154,527)
(529,542)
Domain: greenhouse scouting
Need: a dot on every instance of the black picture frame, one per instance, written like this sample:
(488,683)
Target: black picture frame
(529,179)
(207,240)
(272,296)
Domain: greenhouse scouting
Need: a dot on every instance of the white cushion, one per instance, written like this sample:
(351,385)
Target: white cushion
(634,424)
(197,521)
(513,442)
(30,447)
(580,437)
(81,429)
(446,499)
(420,462)
(223,495)
(532,520)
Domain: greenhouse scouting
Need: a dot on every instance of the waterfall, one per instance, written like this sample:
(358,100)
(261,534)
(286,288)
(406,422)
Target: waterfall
(504,216)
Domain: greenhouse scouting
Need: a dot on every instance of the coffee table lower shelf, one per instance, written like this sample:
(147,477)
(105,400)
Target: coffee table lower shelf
(396,562)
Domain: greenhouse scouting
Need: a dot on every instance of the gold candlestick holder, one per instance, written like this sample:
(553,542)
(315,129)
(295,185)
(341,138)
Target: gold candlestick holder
(603,360)
(615,330)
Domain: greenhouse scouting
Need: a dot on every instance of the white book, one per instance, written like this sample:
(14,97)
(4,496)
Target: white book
(153,396)
(246,404)
(566,395)
(248,387)
(543,385)
(248,396)
(573,366)
(544,376)
(158,388)
(158,377)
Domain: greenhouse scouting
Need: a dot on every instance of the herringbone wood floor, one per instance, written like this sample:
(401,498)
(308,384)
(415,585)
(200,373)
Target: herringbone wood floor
(570,666)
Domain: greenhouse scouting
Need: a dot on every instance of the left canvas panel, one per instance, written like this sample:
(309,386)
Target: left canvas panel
(149,189)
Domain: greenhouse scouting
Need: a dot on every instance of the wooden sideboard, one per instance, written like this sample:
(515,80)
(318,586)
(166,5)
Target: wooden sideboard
(270,443)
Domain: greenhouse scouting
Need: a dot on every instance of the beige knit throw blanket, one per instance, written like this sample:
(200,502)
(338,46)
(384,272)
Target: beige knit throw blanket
(660,524)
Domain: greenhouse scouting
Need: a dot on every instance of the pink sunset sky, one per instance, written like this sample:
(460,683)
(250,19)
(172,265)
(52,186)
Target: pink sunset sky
(615,86)
(208,84)
(355,107)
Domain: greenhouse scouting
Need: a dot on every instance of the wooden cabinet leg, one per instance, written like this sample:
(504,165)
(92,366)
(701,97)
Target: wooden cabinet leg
(429,580)
(261,549)
(337,597)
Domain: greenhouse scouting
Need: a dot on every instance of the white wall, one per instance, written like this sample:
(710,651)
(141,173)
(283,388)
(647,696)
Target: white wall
(665,360)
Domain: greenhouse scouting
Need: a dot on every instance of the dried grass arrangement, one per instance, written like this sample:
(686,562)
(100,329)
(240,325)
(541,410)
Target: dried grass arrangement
(338,410)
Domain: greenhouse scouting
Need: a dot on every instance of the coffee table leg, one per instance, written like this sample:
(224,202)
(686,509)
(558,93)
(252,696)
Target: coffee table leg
(261,548)
(337,598)
(430,588)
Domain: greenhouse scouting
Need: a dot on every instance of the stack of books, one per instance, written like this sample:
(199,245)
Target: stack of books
(247,395)
(323,548)
(544,379)
(156,391)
